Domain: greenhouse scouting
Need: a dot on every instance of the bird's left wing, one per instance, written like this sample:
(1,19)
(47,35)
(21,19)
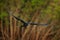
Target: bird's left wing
(38,24)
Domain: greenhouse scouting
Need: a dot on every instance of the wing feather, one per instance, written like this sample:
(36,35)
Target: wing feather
(38,24)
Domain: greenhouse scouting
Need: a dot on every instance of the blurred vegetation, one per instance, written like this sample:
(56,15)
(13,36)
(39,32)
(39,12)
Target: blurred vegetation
(25,9)
(30,6)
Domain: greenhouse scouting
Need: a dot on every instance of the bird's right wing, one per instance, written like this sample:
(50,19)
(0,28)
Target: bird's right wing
(11,13)
(19,19)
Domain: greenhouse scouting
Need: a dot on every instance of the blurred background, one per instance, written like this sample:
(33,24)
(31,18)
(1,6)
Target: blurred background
(39,11)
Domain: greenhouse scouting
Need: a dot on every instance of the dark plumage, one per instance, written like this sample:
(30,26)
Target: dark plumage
(25,24)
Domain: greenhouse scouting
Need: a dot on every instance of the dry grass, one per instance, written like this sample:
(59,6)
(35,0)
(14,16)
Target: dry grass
(29,33)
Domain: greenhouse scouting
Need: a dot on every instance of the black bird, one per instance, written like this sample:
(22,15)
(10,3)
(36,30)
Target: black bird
(25,24)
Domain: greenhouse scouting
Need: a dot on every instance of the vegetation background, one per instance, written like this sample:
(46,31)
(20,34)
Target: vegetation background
(40,11)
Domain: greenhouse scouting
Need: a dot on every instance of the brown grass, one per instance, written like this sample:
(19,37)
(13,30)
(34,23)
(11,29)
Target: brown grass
(13,32)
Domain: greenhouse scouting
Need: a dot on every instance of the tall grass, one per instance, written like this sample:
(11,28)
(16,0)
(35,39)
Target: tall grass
(13,32)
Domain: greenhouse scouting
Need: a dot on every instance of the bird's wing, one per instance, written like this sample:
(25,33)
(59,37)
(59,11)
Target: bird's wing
(11,13)
(38,24)
(19,19)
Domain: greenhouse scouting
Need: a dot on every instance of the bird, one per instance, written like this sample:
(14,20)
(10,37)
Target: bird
(25,24)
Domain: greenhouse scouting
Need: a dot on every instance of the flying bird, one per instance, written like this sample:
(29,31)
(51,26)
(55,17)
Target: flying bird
(25,24)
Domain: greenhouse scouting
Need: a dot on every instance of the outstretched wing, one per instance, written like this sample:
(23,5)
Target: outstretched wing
(24,21)
(10,12)
(38,24)
(19,19)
